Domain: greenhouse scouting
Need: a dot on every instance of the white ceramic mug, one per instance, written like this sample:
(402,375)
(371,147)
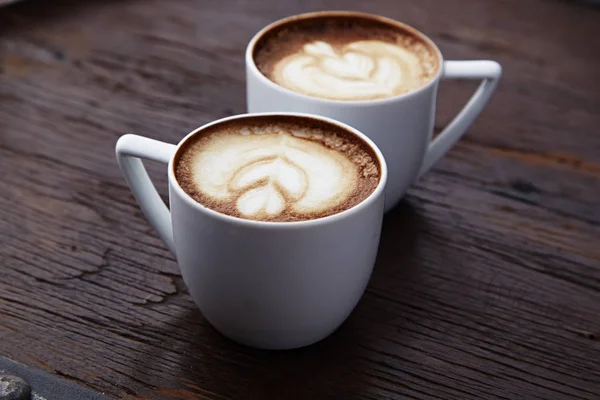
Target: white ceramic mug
(273,285)
(402,126)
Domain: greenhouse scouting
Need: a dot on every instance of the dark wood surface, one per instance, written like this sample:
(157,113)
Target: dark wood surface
(487,283)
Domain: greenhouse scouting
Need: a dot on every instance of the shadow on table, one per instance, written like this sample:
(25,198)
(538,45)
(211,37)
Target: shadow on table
(399,237)
(341,366)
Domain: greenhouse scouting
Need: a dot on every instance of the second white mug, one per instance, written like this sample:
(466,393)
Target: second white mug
(401,126)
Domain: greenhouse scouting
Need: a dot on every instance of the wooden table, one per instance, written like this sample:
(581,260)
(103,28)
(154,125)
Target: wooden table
(487,283)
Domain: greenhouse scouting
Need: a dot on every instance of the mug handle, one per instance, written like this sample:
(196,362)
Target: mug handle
(130,149)
(490,72)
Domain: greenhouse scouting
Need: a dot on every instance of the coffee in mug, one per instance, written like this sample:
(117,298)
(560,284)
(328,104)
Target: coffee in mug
(281,169)
(345,57)
(375,74)
(274,220)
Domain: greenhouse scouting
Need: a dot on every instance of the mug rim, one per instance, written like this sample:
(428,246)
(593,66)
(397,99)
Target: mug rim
(372,197)
(250,63)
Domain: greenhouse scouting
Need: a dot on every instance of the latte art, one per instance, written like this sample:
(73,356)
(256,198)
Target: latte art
(266,174)
(277,172)
(365,69)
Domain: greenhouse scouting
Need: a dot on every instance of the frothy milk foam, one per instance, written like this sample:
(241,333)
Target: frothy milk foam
(277,170)
(346,58)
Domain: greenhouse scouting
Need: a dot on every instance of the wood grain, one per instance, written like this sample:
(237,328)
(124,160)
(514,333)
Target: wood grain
(487,283)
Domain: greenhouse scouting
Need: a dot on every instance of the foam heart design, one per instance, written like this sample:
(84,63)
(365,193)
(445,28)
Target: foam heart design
(272,181)
(361,69)
(263,173)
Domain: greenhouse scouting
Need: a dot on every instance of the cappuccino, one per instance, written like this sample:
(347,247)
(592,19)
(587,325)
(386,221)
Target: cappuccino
(277,168)
(345,56)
